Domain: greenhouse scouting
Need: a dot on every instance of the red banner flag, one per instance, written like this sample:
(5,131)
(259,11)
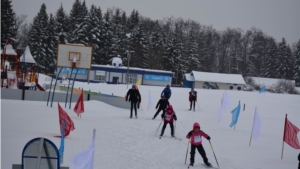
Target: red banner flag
(79,107)
(290,134)
(69,126)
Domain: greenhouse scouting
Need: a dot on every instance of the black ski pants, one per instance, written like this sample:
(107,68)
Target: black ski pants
(159,109)
(193,101)
(133,105)
(200,150)
(164,127)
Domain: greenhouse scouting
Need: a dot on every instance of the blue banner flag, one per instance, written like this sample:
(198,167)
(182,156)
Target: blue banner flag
(62,142)
(235,114)
(262,90)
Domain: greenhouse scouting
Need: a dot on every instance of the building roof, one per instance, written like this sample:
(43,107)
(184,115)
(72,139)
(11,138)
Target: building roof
(28,56)
(9,50)
(133,68)
(189,77)
(218,77)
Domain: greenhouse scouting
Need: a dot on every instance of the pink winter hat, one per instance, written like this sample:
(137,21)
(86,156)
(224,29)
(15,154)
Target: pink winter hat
(196,125)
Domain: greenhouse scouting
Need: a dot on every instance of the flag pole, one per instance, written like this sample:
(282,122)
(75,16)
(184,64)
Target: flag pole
(252,127)
(234,126)
(283,135)
(148,99)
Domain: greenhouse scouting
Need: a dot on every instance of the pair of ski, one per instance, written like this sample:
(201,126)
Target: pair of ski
(204,165)
(172,137)
(190,110)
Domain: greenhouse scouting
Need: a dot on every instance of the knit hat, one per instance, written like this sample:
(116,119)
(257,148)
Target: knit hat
(196,125)
(133,86)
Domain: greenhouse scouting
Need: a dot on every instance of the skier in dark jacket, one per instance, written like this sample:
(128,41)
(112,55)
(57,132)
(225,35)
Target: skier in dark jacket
(162,103)
(192,98)
(167,92)
(299,161)
(134,97)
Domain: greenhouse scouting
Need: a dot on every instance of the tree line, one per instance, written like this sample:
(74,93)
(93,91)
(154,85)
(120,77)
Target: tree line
(172,44)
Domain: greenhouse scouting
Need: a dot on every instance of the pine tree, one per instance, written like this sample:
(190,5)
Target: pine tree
(39,39)
(75,20)
(289,63)
(296,70)
(270,58)
(61,20)
(96,33)
(81,31)
(107,44)
(281,61)
(51,44)
(140,47)
(116,28)
(156,47)
(169,59)
(124,40)
(8,23)
(193,48)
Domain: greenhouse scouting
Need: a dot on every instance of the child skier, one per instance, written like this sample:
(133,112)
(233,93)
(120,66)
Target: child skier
(168,117)
(162,103)
(192,98)
(196,142)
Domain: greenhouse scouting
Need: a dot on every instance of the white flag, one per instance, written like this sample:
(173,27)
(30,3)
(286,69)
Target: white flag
(256,125)
(149,100)
(225,104)
(226,100)
(85,159)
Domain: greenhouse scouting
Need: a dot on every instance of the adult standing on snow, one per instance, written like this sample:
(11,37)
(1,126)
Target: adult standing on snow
(192,98)
(134,97)
(167,92)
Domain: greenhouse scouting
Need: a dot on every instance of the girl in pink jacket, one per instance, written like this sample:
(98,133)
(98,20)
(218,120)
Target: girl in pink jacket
(169,116)
(196,142)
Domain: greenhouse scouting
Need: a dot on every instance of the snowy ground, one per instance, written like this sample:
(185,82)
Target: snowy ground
(123,143)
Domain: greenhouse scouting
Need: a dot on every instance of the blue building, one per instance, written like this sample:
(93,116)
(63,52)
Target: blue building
(117,75)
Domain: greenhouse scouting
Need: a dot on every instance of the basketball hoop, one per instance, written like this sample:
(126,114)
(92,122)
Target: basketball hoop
(74,63)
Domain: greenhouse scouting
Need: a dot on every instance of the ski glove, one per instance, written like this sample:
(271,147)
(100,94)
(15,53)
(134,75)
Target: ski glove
(162,116)
(208,138)
(126,99)
(190,133)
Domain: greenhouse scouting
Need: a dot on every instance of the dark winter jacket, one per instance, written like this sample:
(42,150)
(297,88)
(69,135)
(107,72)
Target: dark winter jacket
(162,103)
(299,161)
(193,96)
(134,95)
(167,93)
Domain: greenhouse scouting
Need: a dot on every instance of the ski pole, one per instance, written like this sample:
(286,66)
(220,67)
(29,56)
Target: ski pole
(214,153)
(198,105)
(187,151)
(159,126)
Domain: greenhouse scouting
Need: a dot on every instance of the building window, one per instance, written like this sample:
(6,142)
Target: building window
(132,78)
(100,78)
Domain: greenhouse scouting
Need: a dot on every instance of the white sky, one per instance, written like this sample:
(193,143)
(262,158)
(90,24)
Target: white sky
(277,18)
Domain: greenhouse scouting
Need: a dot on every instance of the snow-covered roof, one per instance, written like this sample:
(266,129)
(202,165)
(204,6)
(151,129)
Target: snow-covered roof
(28,57)
(9,50)
(133,68)
(189,77)
(262,81)
(218,77)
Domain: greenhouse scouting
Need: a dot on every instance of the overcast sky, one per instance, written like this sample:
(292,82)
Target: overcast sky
(277,18)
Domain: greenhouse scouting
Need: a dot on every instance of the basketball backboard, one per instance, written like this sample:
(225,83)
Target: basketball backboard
(68,54)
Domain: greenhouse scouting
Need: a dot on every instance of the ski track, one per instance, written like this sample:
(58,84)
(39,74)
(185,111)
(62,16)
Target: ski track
(123,143)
